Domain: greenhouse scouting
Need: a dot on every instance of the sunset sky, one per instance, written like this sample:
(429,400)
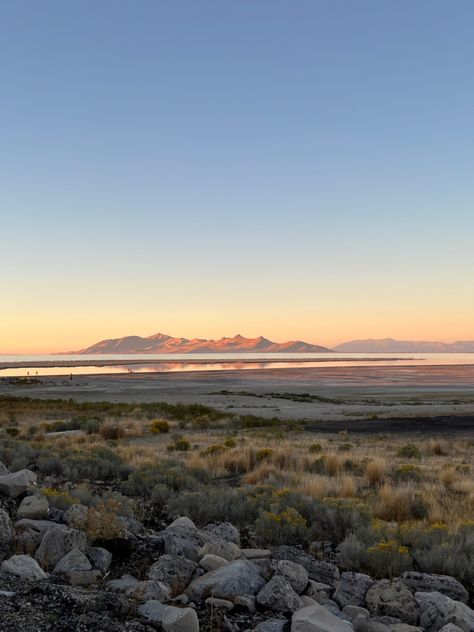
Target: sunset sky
(292,168)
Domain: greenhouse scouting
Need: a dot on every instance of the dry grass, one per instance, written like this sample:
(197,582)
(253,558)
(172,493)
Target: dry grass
(395,503)
(376,471)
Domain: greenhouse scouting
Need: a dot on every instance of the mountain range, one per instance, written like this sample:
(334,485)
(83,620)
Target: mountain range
(162,343)
(389,345)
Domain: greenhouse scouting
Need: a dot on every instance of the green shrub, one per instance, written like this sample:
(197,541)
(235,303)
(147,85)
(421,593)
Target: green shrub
(409,451)
(314,448)
(230,442)
(286,527)
(407,473)
(159,426)
(212,450)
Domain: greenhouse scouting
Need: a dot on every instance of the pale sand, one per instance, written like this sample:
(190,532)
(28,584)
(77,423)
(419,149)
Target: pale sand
(360,392)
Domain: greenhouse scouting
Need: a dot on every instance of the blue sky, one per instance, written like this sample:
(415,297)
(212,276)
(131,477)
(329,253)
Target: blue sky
(297,169)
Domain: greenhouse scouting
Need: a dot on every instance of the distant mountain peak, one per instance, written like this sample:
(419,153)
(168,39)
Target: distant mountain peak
(390,345)
(162,343)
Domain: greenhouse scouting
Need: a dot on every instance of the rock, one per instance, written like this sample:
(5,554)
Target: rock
(318,588)
(444,584)
(56,542)
(17,483)
(38,526)
(182,523)
(437,610)
(393,599)
(223,604)
(211,562)
(228,550)
(179,620)
(76,516)
(450,627)
(278,595)
(246,601)
(150,590)
(75,560)
(256,554)
(237,578)
(152,611)
(356,611)
(174,571)
(3,469)
(317,619)
(6,529)
(223,532)
(404,627)
(25,567)
(324,572)
(182,539)
(131,525)
(33,507)
(125,583)
(295,574)
(99,558)
(272,625)
(352,589)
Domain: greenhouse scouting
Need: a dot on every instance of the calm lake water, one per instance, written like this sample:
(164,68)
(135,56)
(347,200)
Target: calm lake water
(116,363)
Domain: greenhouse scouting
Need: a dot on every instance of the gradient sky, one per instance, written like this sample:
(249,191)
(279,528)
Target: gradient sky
(298,169)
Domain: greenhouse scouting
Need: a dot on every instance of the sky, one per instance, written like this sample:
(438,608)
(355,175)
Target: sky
(300,169)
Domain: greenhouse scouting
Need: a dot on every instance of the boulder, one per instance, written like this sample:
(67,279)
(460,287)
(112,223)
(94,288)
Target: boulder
(237,578)
(33,507)
(352,589)
(179,620)
(6,529)
(228,550)
(56,542)
(184,540)
(3,469)
(150,590)
(174,571)
(323,572)
(17,483)
(278,595)
(83,578)
(450,627)
(223,532)
(437,610)
(317,619)
(25,567)
(222,604)
(152,611)
(444,584)
(356,611)
(393,599)
(404,627)
(295,574)
(123,584)
(99,558)
(75,560)
(211,562)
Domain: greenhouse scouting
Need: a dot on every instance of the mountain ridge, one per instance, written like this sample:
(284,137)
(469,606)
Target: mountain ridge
(163,343)
(390,345)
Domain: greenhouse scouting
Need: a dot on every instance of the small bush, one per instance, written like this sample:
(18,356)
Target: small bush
(57,498)
(213,450)
(388,558)
(182,444)
(102,522)
(264,454)
(315,448)
(230,442)
(111,432)
(159,426)
(406,474)
(286,527)
(375,471)
(409,451)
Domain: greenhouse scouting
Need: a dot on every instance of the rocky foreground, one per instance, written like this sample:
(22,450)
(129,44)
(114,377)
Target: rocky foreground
(185,579)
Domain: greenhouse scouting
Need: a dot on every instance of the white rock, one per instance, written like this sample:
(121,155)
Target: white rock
(211,562)
(317,619)
(25,567)
(33,507)
(179,620)
(17,483)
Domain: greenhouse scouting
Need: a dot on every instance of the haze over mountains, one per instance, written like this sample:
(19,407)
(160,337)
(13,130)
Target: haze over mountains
(162,343)
(389,345)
